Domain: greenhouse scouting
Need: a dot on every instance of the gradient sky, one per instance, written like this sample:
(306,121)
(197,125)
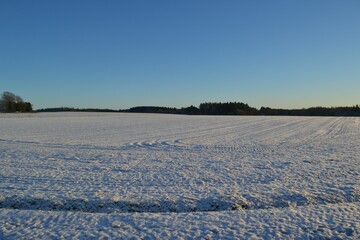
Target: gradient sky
(120,54)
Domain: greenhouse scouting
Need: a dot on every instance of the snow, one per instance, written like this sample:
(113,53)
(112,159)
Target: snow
(121,175)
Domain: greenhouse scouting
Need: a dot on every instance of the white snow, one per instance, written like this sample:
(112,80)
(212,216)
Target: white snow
(119,175)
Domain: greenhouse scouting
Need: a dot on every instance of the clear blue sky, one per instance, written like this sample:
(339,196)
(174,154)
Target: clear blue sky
(119,54)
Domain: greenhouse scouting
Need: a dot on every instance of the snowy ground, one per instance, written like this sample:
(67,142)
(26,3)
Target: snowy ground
(118,175)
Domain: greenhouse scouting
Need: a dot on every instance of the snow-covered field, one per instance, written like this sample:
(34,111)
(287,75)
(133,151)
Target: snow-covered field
(119,175)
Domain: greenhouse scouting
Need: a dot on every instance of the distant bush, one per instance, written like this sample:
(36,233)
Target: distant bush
(9,102)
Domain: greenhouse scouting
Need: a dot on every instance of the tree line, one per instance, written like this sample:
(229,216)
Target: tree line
(239,108)
(10,103)
(208,108)
(229,108)
(71,109)
(313,111)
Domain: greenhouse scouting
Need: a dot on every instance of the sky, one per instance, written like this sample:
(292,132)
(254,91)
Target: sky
(120,54)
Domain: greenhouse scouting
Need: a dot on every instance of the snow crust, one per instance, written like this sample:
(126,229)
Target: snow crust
(120,175)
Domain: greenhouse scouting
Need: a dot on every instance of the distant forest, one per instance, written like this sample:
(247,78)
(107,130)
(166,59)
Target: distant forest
(10,102)
(229,108)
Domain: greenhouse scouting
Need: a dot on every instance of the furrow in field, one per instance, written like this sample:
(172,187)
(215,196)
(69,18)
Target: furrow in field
(162,163)
(184,204)
(240,131)
(309,131)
